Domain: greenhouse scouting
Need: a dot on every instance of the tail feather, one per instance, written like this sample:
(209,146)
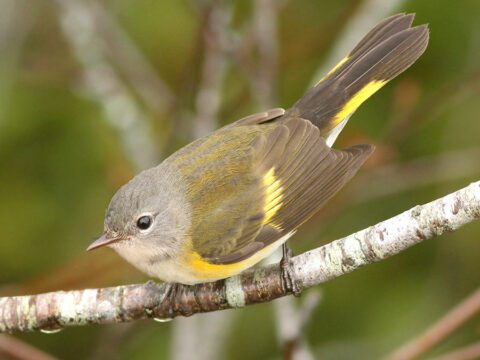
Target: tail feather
(386,51)
(382,31)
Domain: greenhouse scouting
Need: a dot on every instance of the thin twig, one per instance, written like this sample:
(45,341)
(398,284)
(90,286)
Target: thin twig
(423,171)
(150,300)
(213,69)
(204,335)
(291,319)
(140,73)
(265,17)
(109,343)
(12,348)
(440,330)
(293,327)
(104,85)
(470,352)
(432,105)
(16,18)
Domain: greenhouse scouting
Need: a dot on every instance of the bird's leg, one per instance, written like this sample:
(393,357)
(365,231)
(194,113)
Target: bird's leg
(172,291)
(288,280)
(169,296)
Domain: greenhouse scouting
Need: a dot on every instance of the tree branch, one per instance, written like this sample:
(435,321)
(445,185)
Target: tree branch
(163,301)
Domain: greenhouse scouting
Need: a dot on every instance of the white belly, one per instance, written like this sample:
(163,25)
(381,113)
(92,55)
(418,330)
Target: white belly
(177,270)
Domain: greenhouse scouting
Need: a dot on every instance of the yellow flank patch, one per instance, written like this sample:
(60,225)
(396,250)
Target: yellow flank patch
(202,270)
(273,197)
(343,61)
(357,100)
(215,271)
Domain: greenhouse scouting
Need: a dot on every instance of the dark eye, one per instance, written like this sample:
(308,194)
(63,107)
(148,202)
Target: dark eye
(144,222)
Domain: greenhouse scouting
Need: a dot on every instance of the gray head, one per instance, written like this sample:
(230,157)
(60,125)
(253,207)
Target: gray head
(147,217)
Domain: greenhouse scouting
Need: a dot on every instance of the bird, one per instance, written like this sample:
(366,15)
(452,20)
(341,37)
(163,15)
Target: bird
(224,202)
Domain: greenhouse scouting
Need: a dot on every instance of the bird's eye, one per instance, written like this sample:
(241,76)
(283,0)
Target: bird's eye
(144,222)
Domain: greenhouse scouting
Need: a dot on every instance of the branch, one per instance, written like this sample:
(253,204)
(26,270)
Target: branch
(163,301)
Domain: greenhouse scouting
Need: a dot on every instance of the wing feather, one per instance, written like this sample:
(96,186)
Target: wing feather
(297,172)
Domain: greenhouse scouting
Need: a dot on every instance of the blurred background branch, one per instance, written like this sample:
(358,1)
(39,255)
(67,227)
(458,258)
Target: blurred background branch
(470,352)
(12,348)
(79,22)
(15,24)
(138,70)
(444,327)
(291,323)
(215,44)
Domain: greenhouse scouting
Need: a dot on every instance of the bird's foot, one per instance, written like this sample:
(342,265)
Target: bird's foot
(288,280)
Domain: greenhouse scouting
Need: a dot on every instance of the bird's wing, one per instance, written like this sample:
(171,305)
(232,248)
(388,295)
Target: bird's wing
(286,175)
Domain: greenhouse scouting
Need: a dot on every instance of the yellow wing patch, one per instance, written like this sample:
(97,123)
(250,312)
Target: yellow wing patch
(200,269)
(336,67)
(357,100)
(273,197)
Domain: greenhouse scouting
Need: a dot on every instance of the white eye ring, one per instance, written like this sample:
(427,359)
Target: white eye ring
(145,221)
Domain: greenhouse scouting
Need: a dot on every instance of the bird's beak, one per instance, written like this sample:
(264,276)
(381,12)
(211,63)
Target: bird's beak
(103,241)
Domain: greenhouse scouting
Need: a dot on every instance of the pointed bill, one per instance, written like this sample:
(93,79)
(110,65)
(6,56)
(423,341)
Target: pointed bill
(103,240)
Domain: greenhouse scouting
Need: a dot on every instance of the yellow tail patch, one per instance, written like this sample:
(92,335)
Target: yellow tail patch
(368,90)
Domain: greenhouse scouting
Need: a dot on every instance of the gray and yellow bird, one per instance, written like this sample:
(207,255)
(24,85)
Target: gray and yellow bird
(226,201)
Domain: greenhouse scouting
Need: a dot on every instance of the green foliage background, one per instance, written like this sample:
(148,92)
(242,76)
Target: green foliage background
(61,162)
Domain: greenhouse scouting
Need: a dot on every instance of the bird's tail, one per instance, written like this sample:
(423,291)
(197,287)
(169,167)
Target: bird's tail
(385,52)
